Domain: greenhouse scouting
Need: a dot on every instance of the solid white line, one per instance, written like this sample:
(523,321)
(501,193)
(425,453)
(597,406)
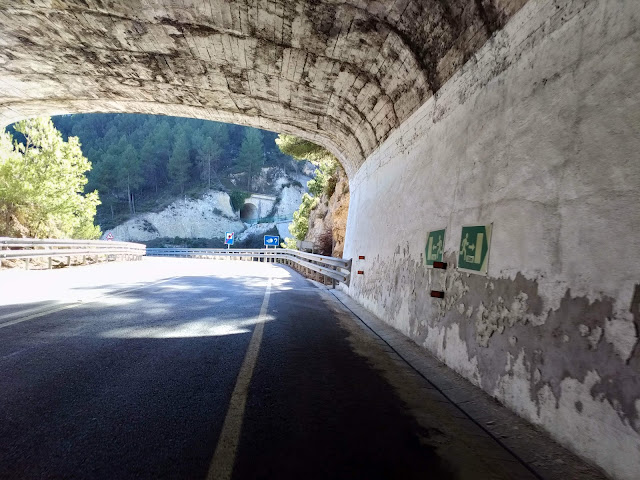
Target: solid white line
(224,457)
(28,311)
(80,302)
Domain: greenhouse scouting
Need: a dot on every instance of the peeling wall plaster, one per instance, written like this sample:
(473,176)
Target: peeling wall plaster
(539,134)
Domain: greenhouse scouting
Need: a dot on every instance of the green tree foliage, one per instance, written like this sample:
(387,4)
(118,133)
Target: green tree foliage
(301,149)
(251,156)
(300,225)
(42,182)
(219,134)
(209,159)
(130,168)
(323,182)
(324,177)
(289,243)
(237,198)
(199,166)
(180,163)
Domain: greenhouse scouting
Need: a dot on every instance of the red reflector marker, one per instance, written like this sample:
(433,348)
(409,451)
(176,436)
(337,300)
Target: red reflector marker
(361,257)
(437,294)
(442,265)
(360,272)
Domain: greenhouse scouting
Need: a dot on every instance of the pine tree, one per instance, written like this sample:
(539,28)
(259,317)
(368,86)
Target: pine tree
(209,159)
(42,182)
(130,172)
(179,162)
(251,156)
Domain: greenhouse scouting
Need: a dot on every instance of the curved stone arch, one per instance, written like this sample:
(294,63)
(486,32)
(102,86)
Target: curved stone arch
(51,108)
(262,204)
(344,74)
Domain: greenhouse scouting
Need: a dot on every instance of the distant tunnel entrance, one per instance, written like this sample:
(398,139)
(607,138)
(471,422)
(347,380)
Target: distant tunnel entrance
(248,212)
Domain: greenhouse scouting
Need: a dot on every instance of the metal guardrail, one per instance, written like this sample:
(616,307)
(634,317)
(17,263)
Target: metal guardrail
(280,219)
(335,268)
(27,248)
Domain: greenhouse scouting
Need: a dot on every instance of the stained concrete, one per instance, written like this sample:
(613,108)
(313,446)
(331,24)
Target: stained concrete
(535,130)
(538,134)
(344,74)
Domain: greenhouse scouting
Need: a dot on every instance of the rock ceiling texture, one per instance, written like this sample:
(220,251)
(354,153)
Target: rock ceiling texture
(343,73)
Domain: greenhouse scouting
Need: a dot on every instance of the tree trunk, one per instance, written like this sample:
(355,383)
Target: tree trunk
(129,195)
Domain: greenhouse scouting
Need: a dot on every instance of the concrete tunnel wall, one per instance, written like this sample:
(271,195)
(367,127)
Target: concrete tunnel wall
(539,133)
(535,130)
(342,74)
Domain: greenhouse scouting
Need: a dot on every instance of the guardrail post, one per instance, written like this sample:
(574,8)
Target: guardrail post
(68,260)
(26,264)
(50,259)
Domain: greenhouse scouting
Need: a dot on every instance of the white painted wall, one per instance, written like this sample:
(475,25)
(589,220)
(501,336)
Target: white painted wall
(539,133)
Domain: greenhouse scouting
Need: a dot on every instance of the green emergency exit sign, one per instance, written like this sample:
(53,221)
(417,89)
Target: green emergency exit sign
(473,256)
(435,247)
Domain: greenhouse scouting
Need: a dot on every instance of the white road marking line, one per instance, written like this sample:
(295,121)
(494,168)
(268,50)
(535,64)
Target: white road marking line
(78,303)
(17,352)
(26,312)
(224,457)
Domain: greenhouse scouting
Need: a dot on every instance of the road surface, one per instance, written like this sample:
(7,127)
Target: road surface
(196,369)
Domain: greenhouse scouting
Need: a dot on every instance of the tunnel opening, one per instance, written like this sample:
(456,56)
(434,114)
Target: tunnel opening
(249,213)
(156,183)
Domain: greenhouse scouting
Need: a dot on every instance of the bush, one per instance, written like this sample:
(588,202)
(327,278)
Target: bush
(292,183)
(237,199)
(324,245)
(300,225)
(289,243)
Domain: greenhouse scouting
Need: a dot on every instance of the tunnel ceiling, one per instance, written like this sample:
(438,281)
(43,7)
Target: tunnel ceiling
(341,73)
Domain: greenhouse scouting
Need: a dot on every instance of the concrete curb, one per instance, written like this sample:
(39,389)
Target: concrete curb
(526,444)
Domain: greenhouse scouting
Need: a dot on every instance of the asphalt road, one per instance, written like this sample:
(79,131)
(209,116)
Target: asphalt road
(194,369)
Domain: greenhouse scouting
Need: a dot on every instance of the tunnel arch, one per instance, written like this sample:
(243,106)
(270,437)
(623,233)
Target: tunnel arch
(248,212)
(343,74)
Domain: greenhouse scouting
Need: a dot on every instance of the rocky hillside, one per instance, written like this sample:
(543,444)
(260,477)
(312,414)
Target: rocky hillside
(207,217)
(211,215)
(328,220)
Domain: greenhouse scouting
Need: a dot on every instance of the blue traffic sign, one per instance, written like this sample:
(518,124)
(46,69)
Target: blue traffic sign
(271,240)
(228,238)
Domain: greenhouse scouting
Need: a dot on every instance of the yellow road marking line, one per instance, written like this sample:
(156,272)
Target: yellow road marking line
(224,457)
(81,302)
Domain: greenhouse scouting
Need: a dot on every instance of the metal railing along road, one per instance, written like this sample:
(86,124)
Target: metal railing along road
(280,219)
(337,269)
(28,248)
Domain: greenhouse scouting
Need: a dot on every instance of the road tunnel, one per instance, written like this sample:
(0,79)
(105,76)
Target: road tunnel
(517,117)
(249,213)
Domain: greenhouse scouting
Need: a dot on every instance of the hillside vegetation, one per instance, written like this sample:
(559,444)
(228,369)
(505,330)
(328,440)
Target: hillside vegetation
(42,183)
(142,163)
(321,217)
